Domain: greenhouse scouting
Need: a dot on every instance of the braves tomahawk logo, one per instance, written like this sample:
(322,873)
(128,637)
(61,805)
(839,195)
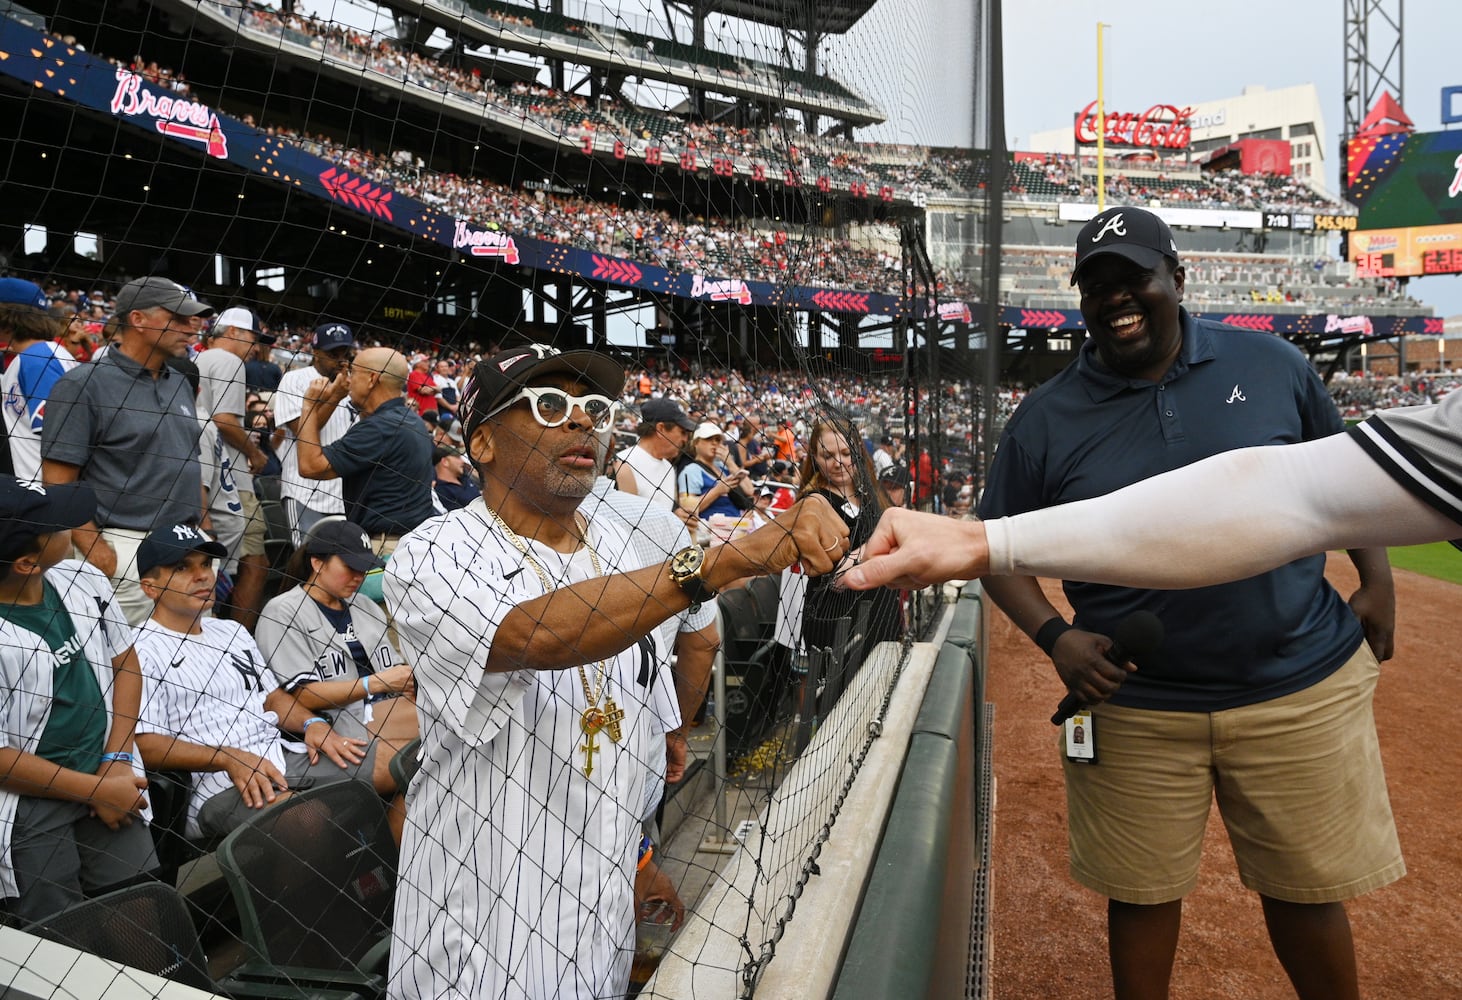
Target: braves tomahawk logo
(1114,225)
(1455,187)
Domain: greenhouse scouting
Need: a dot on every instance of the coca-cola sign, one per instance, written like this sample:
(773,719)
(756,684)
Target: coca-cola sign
(1162,126)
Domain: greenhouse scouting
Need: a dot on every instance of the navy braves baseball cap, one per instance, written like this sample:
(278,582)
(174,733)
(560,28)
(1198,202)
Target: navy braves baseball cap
(29,510)
(170,545)
(329,336)
(345,539)
(497,378)
(19,292)
(1134,233)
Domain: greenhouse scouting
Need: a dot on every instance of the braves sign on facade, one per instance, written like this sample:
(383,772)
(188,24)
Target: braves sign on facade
(174,116)
(484,242)
(1162,126)
(1349,324)
(725,290)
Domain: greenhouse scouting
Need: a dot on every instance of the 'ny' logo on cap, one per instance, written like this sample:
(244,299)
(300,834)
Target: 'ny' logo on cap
(185,533)
(1112,225)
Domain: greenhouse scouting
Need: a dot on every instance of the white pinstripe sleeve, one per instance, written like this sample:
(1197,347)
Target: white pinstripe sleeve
(446,628)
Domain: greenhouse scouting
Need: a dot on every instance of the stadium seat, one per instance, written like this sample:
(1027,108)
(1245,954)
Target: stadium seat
(404,765)
(168,793)
(757,668)
(314,880)
(145,926)
(148,927)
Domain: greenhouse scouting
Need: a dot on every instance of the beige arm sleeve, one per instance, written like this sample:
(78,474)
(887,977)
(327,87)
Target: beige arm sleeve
(1226,518)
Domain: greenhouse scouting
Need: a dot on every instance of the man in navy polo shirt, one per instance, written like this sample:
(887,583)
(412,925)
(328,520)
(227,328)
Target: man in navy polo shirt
(384,460)
(1261,691)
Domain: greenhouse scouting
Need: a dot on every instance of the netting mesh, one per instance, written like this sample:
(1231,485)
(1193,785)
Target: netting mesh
(379,205)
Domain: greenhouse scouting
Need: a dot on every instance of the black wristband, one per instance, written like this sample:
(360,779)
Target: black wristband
(1048,633)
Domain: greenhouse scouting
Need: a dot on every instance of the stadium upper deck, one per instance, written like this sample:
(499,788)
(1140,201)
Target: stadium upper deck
(703,232)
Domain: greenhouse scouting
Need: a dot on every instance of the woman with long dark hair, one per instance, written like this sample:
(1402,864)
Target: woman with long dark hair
(838,468)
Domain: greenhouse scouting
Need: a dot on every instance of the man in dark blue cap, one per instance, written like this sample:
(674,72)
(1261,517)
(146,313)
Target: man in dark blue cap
(308,500)
(71,785)
(1277,666)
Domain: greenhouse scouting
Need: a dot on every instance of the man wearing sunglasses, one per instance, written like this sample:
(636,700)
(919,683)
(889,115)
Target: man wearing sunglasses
(384,460)
(532,630)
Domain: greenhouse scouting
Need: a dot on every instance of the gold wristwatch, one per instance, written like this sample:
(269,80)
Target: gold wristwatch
(685,570)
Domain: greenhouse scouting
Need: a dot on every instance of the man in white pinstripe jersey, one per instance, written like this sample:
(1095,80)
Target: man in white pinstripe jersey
(532,630)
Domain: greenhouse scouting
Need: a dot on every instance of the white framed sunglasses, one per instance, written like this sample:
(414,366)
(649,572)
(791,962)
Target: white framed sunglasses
(551,407)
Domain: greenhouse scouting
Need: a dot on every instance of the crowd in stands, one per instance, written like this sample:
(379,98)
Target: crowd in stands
(1358,395)
(910,170)
(750,249)
(1055,176)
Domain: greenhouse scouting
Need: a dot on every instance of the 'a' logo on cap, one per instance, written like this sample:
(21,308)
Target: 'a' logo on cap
(1113,225)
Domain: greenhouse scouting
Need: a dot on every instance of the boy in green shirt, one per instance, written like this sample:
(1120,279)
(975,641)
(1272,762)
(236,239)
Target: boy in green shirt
(71,784)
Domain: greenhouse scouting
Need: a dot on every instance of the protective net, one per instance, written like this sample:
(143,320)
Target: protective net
(289,255)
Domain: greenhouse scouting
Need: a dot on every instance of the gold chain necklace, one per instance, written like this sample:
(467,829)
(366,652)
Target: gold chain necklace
(592,720)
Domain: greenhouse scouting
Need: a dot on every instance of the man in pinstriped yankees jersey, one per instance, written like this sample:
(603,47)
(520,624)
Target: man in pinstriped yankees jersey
(532,630)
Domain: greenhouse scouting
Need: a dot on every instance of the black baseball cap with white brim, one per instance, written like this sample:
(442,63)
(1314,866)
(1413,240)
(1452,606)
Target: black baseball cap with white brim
(1133,233)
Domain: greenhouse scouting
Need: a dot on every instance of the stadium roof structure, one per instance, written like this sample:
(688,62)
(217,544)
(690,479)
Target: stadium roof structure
(830,17)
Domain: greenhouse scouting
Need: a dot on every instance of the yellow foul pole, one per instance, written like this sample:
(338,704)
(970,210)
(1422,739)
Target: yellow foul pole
(1101,124)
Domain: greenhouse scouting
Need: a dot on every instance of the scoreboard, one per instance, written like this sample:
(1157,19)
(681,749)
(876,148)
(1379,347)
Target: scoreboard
(1407,252)
(1408,189)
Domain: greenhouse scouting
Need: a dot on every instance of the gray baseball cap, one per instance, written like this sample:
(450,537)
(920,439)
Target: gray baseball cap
(155,291)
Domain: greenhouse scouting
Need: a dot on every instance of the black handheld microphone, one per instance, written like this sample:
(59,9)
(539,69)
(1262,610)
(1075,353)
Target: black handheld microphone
(1139,634)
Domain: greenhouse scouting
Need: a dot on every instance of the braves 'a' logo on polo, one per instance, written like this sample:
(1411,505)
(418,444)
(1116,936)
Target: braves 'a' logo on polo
(1112,225)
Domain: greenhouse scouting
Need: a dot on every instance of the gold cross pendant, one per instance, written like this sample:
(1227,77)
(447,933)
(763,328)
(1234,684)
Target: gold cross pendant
(613,716)
(589,749)
(591,721)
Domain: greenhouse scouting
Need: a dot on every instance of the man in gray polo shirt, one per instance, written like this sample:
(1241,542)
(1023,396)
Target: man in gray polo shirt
(126,426)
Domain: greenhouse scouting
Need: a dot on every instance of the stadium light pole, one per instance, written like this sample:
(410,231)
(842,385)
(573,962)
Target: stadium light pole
(1101,124)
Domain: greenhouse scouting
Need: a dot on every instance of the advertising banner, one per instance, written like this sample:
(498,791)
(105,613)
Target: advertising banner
(1406,252)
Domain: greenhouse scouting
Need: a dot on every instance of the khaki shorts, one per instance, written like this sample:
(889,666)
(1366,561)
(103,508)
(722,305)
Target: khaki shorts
(252,543)
(1299,785)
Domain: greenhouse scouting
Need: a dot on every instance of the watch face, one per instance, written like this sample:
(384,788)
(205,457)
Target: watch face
(687,561)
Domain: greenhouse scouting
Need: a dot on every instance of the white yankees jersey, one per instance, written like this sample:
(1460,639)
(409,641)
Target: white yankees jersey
(28,666)
(517,869)
(207,689)
(323,495)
